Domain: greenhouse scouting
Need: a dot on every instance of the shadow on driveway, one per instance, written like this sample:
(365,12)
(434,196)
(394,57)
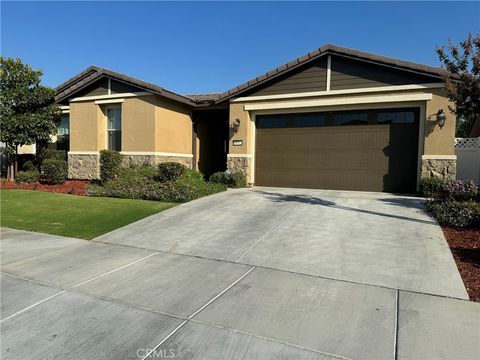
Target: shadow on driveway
(313,200)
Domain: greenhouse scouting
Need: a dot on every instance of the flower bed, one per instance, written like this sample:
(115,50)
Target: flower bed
(75,187)
(465,247)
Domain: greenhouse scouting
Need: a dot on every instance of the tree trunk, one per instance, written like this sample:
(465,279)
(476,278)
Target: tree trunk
(16,162)
(10,172)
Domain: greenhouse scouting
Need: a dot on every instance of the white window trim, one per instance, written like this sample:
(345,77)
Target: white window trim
(341,92)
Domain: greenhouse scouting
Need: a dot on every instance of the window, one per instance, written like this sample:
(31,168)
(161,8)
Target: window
(272,121)
(63,133)
(114,128)
(396,117)
(350,118)
(309,120)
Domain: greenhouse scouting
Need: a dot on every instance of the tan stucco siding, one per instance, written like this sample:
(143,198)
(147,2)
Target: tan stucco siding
(244,133)
(85,118)
(173,128)
(138,124)
(439,141)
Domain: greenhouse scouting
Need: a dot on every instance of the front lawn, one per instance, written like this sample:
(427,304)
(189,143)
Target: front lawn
(70,215)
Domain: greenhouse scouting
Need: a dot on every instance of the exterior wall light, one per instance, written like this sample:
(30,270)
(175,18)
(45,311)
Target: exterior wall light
(441,117)
(236,125)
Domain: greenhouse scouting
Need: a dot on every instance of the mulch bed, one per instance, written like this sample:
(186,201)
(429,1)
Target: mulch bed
(74,187)
(465,247)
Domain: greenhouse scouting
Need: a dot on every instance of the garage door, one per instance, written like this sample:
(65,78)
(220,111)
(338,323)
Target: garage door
(368,150)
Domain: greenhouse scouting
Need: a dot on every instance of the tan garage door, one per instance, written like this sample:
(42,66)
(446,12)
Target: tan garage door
(373,150)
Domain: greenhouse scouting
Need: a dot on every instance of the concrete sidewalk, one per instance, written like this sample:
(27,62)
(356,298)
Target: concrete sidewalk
(274,279)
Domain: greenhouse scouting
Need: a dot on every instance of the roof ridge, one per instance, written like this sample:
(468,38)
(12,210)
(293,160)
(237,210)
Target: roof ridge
(321,51)
(94,71)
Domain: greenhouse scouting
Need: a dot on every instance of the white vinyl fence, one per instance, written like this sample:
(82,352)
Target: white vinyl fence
(468,159)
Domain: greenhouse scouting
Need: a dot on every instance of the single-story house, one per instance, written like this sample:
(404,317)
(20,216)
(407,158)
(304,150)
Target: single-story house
(335,118)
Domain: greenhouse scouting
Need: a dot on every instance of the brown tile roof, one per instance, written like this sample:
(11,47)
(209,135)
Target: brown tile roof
(204,97)
(91,74)
(333,50)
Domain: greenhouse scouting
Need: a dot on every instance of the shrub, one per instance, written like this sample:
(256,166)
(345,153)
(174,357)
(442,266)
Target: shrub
(140,183)
(461,190)
(48,154)
(189,187)
(29,166)
(449,189)
(170,171)
(110,164)
(27,177)
(455,213)
(139,171)
(54,171)
(231,179)
(432,187)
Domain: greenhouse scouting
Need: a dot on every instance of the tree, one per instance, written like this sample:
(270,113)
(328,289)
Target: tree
(462,80)
(28,114)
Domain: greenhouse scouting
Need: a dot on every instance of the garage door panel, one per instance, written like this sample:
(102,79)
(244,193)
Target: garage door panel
(375,157)
(324,138)
(326,160)
(323,179)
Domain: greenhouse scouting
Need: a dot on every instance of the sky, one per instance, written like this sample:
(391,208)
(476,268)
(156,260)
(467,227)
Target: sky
(202,47)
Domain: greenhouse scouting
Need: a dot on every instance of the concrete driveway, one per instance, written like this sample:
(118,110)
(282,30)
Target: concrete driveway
(262,273)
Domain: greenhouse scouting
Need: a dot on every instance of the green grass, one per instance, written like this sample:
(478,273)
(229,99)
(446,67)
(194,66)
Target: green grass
(70,215)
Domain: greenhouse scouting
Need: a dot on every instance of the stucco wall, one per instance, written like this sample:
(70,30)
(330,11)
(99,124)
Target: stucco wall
(149,124)
(85,118)
(244,133)
(138,124)
(439,141)
(173,128)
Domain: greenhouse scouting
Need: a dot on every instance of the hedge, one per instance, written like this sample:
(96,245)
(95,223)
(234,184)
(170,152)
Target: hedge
(54,171)
(110,165)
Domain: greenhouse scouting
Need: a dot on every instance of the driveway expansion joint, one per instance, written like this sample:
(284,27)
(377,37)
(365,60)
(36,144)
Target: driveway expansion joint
(270,339)
(268,232)
(198,311)
(284,270)
(395,336)
(69,288)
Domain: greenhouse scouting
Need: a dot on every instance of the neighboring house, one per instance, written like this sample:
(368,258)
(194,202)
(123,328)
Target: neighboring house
(335,118)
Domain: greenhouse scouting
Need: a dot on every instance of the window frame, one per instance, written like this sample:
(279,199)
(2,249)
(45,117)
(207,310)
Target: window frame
(372,117)
(63,139)
(107,130)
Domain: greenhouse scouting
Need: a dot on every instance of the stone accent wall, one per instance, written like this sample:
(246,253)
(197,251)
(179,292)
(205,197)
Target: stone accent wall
(131,160)
(84,166)
(187,161)
(153,160)
(242,164)
(87,166)
(439,168)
